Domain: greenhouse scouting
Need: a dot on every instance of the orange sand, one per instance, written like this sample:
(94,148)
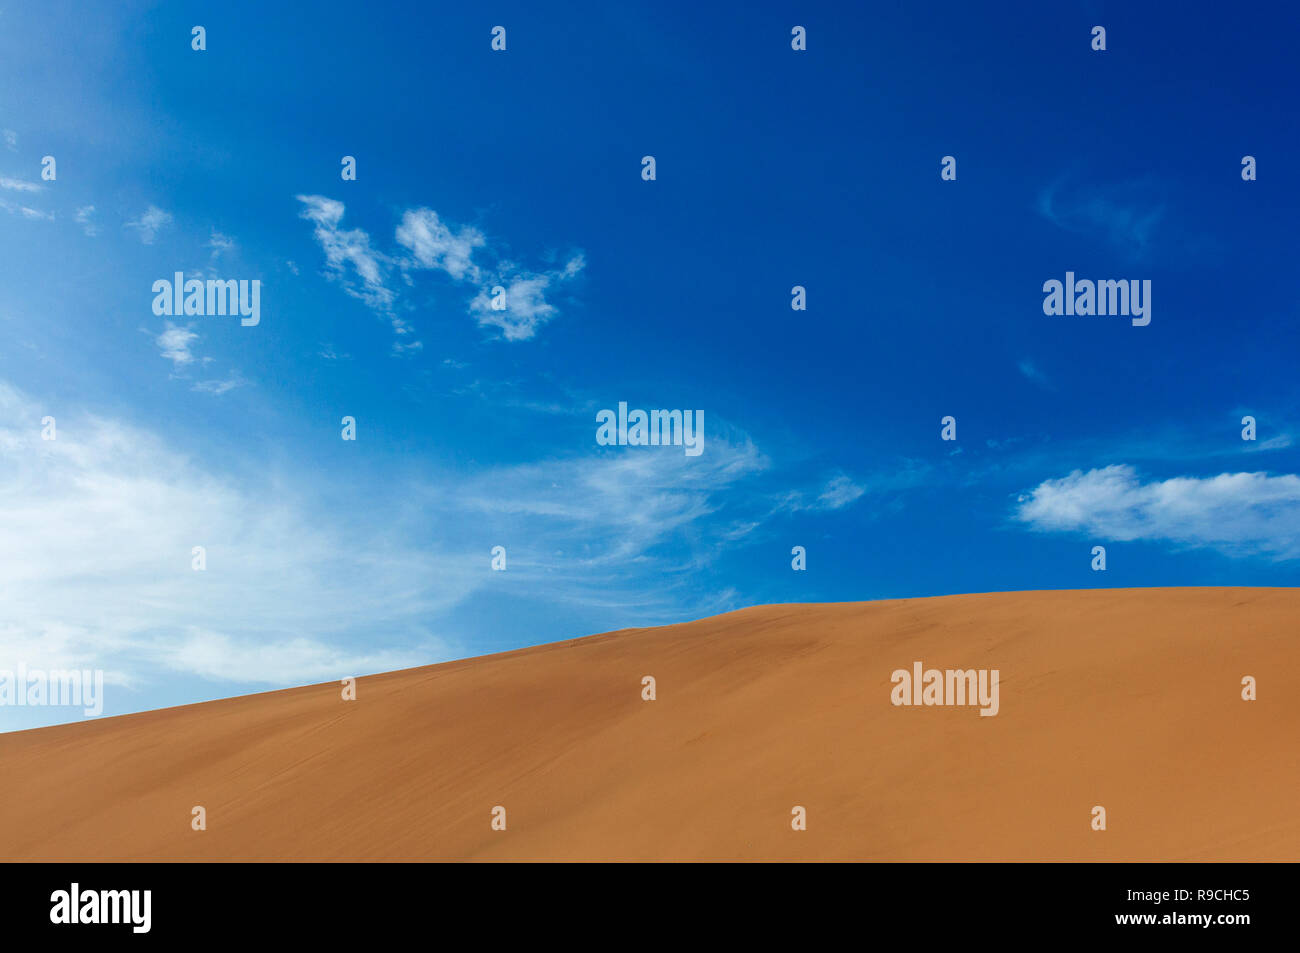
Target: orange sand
(1130,699)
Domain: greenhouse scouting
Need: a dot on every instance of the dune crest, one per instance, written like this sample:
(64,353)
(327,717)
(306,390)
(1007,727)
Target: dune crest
(1126,699)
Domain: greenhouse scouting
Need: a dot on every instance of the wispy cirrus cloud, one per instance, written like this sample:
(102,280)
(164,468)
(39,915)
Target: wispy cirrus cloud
(837,492)
(100,565)
(613,507)
(348,254)
(85,217)
(19,185)
(355,264)
(219,386)
(220,244)
(509,298)
(1125,214)
(1032,372)
(151,221)
(1239,514)
(99,562)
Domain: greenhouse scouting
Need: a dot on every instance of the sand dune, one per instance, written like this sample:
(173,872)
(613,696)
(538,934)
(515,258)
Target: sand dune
(1129,699)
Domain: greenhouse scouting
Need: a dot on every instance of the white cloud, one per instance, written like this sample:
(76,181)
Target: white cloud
(1280,442)
(220,386)
(1235,513)
(150,223)
(288,661)
(96,534)
(297,589)
(346,249)
(349,256)
(432,244)
(11,140)
(526,308)
(37,214)
(220,244)
(304,585)
(84,217)
(435,245)
(573,266)
(174,344)
(613,508)
(18,185)
(842,490)
(839,492)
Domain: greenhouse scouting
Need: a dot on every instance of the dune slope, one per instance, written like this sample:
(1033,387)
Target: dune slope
(1127,699)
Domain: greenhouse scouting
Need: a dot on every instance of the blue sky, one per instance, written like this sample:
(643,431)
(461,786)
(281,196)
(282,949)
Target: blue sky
(522,169)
